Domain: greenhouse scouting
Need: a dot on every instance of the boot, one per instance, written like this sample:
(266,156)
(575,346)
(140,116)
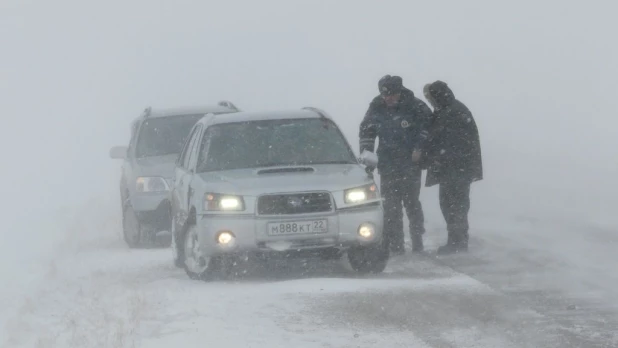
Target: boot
(417,243)
(456,243)
(462,246)
(448,247)
(462,241)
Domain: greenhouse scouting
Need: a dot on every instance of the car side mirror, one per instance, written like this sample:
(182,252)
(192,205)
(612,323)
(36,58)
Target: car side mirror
(369,159)
(118,152)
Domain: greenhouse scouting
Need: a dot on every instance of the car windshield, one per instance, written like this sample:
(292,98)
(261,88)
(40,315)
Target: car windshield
(274,143)
(165,135)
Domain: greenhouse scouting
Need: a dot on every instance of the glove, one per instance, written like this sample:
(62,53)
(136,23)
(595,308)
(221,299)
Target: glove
(435,166)
(417,155)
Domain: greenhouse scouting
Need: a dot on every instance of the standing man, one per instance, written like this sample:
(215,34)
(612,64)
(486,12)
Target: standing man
(454,161)
(399,120)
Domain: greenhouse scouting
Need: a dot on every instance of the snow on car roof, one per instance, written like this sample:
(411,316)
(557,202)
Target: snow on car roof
(194,110)
(247,116)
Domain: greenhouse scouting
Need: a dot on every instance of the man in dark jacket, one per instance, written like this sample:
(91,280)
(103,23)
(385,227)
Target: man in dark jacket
(399,120)
(453,157)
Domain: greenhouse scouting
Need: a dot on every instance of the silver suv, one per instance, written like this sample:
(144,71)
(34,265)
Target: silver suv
(266,184)
(157,136)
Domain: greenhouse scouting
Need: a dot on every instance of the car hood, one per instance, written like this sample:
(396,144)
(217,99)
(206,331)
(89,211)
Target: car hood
(254,182)
(162,166)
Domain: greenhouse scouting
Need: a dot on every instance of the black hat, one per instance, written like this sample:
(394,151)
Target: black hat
(389,85)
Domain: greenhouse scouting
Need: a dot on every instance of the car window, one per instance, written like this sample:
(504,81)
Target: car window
(165,135)
(275,143)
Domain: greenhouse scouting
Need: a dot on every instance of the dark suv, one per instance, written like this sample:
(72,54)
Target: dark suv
(157,137)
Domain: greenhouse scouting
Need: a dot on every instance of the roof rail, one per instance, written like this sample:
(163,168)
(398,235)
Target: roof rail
(228,104)
(320,112)
(147,111)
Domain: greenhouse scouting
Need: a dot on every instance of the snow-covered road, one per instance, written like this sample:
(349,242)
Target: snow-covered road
(505,293)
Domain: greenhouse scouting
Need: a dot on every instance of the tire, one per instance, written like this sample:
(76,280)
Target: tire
(195,265)
(368,259)
(131,228)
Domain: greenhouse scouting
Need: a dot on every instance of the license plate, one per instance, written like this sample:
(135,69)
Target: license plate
(297,227)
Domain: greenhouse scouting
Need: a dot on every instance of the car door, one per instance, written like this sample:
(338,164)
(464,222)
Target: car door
(179,191)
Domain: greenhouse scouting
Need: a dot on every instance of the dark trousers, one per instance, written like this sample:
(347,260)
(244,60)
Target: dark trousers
(455,205)
(398,188)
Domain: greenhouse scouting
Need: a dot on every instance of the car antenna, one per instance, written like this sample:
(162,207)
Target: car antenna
(147,111)
(228,104)
(316,110)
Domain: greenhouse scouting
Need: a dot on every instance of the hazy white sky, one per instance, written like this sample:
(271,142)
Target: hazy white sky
(539,76)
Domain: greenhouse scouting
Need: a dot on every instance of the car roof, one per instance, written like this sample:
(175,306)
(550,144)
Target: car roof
(195,110)
(249,116)
(221,107)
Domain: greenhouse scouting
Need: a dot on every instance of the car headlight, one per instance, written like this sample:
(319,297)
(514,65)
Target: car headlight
(151,184)
(360,194)
(222,202)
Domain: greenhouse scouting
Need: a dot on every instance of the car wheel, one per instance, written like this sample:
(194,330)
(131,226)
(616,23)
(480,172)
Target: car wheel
(368,259)
(195,264)
(131,228)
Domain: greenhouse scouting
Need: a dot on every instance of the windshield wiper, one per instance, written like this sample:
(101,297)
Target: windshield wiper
(273,164)
(327,162)
(300,164)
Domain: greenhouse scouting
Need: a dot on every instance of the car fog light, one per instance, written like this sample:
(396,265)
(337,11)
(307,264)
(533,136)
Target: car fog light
(225,238)
(366,230)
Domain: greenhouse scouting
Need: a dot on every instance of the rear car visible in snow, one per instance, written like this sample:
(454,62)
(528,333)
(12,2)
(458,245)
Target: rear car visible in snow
(260,184)
(157,137)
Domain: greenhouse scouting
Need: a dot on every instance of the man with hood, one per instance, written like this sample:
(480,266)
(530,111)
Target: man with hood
(399,120)
(453,161)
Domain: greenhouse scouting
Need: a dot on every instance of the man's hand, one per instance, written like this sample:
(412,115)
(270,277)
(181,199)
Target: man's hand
(435,166)
(416,156)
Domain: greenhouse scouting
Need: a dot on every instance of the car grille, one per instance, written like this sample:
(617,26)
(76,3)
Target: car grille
(297,203)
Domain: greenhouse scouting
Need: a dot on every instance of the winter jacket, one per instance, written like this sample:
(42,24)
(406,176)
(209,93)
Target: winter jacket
(400,129)
(453,151)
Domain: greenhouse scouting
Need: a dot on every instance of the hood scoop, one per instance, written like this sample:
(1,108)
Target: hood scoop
(286,170)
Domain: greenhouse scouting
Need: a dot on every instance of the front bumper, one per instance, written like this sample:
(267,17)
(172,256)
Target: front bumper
(251,232)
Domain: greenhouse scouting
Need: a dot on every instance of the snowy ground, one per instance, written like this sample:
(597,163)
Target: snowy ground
(522,287)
